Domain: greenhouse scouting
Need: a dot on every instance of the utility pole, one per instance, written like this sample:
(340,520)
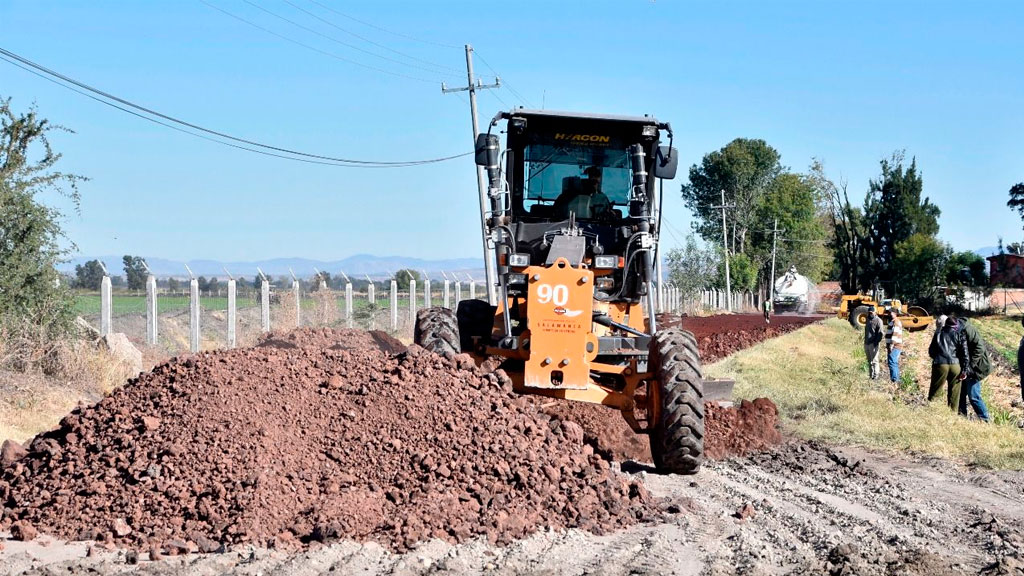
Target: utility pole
(771,281)
(725,250)
(474,85)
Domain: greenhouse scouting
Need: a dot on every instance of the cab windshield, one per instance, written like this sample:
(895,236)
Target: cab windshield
(592,182)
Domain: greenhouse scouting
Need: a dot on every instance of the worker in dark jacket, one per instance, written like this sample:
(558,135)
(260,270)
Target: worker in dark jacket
(1020,363)
(974,367)
(945,364)
(872,340)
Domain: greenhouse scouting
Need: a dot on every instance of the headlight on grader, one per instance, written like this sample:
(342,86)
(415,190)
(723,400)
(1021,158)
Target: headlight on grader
(519,260)
(605,262)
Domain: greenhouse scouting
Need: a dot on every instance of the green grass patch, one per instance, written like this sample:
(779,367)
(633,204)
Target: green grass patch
(818,378)
(127,304)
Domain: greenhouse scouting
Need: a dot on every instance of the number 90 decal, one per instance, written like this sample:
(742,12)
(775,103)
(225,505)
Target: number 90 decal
(558,294)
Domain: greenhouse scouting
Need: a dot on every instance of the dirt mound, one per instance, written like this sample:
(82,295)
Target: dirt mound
(725,334)
(739,430)
(301,440)
(335,339)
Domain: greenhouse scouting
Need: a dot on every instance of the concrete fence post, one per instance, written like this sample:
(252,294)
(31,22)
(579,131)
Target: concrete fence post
(412,298)
(348,304)
(193,315)
(371,294)
(298,302)
(232,313)
(106,304)
(458,294)
(151,310)
(446,295)
(472,289)
(426,293)
(265,305)
(394,305)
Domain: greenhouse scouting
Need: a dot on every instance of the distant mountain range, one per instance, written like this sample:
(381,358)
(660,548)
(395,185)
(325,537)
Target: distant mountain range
(358,266)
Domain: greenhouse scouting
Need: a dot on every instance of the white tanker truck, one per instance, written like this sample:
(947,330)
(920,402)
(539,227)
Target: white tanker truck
(791,292)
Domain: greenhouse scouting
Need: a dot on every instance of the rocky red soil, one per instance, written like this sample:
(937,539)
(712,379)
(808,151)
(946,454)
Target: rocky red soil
(725,334)
(310,436)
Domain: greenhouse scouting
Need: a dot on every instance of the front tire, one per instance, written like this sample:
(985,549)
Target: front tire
(859,317)
(677,427)
(437,330)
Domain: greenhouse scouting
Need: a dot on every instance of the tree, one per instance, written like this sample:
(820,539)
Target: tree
(88,276)
(203,284)
(965,268)
(692,268)
(1016,200)
(794,202)
(848,231)
(919,262)
(745,169)
(742,273)
(135,272)
(30,231)
(212,285)
(894,212)
(173,285)
(402,278)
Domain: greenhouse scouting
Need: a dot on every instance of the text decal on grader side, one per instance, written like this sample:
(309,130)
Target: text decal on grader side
(560,303)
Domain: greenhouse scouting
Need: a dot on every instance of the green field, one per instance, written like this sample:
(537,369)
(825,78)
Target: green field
(126,304)
(88,304)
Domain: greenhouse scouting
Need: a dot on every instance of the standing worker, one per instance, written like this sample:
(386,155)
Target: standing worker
(1020,362)
(767,310)
(894,343)
(872,341)
(945,364)
(974,367)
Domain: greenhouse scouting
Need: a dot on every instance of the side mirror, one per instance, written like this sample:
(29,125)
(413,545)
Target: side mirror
(665,163)
(487,150)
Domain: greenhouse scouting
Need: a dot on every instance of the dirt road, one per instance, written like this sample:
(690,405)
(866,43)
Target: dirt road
(812,509)
(796,509)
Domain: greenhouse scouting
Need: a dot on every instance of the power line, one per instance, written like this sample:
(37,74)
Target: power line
(393,33)
(342,42)
(171,126)
(315,49)
(336,161)
(507,85)
(367,40)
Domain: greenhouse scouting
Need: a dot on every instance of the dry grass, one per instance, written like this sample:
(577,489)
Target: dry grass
(818,377)
(42,378)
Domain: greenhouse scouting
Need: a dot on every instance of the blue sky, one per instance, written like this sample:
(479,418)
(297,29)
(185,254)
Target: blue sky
(845,82)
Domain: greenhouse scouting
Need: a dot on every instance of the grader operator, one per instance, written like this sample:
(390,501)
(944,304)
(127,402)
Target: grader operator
(574,219)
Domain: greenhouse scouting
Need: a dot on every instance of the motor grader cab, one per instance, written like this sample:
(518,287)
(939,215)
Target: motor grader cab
(573,223)
(855,308)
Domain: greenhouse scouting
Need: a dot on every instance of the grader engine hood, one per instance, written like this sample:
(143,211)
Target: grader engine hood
(562,344)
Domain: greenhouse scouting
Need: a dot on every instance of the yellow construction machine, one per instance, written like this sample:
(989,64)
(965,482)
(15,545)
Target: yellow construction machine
(572,225)
(855,308)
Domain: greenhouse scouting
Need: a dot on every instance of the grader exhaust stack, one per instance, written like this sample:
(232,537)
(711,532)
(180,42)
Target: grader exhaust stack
(571,205)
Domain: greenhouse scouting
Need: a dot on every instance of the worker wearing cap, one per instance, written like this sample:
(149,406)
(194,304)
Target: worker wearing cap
(767,310)
(872,341)
(945,363)
(894,343)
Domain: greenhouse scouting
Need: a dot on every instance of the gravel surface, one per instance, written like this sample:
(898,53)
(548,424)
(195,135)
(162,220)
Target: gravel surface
(312,436)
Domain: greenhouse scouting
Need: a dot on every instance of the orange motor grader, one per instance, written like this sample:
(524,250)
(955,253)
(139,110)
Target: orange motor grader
(572,225)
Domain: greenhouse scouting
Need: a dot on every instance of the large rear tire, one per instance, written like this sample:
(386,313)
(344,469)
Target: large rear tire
(859,317)
(677,402)
(437,331)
